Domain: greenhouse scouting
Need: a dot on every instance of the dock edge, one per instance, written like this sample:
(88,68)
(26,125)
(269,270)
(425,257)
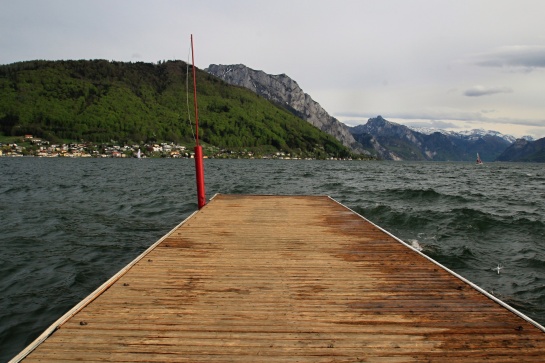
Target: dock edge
(473,285)
(57,324)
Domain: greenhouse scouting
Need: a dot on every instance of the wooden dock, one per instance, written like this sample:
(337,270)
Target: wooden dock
(286,279)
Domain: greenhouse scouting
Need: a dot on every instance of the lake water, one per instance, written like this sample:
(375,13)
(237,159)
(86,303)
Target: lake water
(67,225)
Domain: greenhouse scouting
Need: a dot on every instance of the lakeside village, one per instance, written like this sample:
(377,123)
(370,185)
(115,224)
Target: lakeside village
(35,147)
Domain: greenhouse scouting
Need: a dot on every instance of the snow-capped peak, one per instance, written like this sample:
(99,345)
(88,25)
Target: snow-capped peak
(469,134)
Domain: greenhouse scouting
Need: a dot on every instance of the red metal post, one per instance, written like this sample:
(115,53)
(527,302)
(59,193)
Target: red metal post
(199,170)
(199,167)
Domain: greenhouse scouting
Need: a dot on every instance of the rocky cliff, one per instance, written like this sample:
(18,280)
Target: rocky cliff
(284,91)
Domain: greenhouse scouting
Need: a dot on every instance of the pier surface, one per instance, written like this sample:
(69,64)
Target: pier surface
(286,279)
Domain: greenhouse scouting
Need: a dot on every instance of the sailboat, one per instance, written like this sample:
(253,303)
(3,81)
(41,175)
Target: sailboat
(479,161)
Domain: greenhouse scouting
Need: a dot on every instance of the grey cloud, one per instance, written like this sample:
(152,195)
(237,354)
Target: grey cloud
(438,124)
(526,57)
(434,116)
(478,91)
(433,124)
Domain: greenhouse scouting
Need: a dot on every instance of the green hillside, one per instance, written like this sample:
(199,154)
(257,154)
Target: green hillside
(101,101)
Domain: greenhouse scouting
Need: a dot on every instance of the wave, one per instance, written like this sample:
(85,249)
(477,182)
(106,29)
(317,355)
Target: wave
(530,262)
(428,195)
(408,193)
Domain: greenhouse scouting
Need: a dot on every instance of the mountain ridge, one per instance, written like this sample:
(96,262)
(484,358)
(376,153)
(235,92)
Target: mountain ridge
(469,133)
(525,151)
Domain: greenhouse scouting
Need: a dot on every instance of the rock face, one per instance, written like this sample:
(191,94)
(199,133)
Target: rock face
(284,91)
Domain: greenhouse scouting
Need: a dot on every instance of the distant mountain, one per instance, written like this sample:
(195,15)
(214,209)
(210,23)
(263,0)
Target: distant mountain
(285,92)
(390,140)
(524,150)
(378,137)
(469,134)
(399,142)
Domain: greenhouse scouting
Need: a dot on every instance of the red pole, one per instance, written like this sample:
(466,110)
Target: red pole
(199,170)
(199,167)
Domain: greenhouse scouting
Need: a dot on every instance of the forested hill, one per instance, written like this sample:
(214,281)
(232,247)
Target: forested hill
(100,101)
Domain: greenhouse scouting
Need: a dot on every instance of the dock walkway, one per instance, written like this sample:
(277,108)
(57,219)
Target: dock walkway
(286,279)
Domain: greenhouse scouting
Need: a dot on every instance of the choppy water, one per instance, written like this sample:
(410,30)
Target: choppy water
(67,225)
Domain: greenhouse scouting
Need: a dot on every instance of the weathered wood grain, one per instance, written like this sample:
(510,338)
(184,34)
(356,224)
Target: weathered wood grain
(289,279)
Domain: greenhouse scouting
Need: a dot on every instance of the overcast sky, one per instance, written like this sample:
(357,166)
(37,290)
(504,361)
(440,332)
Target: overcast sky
(454,64)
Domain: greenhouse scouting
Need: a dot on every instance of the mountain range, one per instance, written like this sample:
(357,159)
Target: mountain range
(400,142)
(241,109)
(379,137)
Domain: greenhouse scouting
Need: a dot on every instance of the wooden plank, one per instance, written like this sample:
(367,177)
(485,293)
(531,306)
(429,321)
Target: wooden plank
(288,279)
